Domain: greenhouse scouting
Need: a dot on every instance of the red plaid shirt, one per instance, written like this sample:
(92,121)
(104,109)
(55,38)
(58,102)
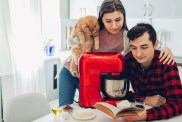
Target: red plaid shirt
(159,79)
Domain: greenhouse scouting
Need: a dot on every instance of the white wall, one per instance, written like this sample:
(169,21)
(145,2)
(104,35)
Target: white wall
(173,29)
(51,27)
(0,102)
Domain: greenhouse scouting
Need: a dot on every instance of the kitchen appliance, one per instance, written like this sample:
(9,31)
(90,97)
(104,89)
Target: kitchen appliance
(102,78)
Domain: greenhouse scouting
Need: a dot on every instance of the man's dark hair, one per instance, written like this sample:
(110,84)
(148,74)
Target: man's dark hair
(140,29)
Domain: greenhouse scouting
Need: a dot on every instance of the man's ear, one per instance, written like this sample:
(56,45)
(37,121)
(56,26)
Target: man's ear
(156,44)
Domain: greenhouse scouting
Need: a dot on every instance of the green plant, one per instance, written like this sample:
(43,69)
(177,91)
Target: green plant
(48,43)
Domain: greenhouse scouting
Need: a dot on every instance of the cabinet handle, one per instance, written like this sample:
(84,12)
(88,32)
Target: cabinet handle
(85,12)
(81,12)
(145,10)
(98,7)
(150,9)
(55,85)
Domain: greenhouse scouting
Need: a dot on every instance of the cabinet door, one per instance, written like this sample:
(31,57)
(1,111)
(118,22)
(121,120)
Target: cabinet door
(76,9)
(51,67)
(135,8)
(148,8)
(177,9)
(98,4)
(90,8)
(81,8)
(160,8)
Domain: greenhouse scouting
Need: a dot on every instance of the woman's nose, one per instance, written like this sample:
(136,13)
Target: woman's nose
(114,25)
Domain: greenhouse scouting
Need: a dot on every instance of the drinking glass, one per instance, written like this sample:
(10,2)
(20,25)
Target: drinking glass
(56,112)
(139,102)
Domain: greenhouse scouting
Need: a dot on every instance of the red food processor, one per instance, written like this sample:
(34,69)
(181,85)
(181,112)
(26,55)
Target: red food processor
(102,78)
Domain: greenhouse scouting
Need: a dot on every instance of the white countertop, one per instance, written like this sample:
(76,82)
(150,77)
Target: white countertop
(100,117)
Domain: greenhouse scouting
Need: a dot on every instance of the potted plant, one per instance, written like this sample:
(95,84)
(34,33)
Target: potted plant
(49,47)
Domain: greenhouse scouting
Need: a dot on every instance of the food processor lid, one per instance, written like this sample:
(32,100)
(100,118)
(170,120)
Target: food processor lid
(113,86)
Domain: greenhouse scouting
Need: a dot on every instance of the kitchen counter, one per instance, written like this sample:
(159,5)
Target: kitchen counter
(100,117)
(178,60)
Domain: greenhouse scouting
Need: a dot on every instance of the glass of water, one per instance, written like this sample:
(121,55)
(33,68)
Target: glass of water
(139,102)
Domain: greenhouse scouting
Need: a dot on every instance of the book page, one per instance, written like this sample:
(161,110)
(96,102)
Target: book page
(117,112)
(123,104)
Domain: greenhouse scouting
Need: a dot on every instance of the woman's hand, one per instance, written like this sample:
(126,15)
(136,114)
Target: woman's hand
(155,100)
(166,56)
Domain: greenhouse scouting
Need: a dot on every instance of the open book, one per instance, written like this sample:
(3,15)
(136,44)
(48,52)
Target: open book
(116,112)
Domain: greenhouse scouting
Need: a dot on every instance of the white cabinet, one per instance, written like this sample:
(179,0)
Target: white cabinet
(98,4)
(51,67)
(148,8)
(75,9)
(81,8)
(135,8)
(160,8)
(177,9)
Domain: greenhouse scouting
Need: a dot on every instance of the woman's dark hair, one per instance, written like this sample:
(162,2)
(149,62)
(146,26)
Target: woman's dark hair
(140,29)
(109,6)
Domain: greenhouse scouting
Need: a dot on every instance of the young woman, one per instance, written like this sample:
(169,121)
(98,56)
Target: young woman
(112,38)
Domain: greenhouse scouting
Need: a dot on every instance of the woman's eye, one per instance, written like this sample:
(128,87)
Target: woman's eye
(108,21)
(118,20)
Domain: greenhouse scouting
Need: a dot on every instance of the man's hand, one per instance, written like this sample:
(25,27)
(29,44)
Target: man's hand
(142,116)
(155,100)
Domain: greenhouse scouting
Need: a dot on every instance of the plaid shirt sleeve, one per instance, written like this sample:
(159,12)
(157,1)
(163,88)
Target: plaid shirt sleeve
(173,105)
